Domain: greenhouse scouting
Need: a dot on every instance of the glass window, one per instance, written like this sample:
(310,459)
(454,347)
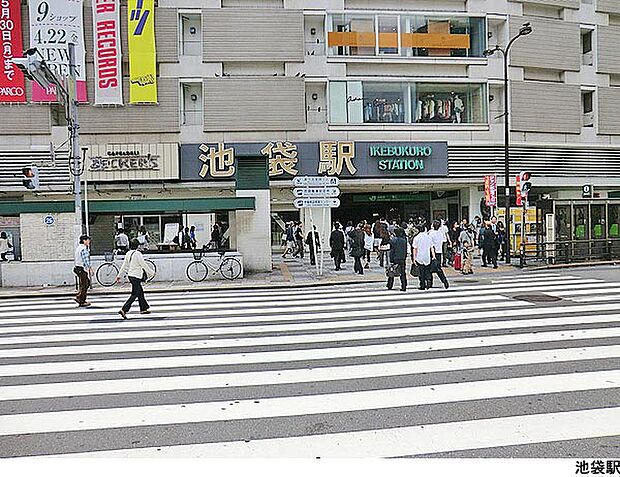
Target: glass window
(419,35)
(352,35)
(357,102)
(384,102)
(449,103)
(153,228)
(388,35)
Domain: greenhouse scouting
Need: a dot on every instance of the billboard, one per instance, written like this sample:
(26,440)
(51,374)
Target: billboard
(53,25)
(142,67)
(11,78)
(107,52)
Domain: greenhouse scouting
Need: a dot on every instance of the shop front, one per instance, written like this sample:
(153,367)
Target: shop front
(396,180)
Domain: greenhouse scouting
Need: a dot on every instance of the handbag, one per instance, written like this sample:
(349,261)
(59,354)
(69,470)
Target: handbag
(384,248)
(414,270)
(393,270)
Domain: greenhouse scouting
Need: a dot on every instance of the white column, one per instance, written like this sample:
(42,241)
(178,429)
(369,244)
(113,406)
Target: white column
(253,231)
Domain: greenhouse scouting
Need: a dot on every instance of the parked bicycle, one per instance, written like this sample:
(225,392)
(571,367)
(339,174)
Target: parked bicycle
(108,270)
(198,270)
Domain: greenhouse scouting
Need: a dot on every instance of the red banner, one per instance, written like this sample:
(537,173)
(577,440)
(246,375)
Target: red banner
(12,88)
(518,190)
(490,191)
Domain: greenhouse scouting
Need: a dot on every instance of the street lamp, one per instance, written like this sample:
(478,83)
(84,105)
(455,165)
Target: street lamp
(36,69)
(525,30)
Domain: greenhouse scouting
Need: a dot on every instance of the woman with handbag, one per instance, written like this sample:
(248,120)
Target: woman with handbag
(357,248)
(137,272)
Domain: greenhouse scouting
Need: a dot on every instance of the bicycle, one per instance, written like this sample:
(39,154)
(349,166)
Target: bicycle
(108,270)
(198,270)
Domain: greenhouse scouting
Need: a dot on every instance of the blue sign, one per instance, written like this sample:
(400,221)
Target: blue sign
(49,220)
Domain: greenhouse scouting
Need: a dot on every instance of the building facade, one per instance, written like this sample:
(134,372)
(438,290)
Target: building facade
(395,97)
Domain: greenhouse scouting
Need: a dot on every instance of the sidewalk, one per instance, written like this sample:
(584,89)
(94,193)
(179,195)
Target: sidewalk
(288,272)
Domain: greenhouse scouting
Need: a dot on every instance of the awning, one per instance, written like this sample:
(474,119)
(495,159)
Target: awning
(161,206)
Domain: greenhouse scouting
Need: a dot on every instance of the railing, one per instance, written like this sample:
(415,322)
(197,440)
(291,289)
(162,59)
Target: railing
(570,251)
(191,117)
(190,47)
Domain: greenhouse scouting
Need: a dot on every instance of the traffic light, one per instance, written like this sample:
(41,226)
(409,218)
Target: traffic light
(31,177)
(526,185)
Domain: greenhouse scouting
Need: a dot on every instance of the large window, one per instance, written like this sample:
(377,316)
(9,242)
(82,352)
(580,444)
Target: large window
(366,102)
(406,35)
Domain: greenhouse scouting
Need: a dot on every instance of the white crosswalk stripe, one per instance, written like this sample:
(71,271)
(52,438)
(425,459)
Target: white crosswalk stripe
(331,371)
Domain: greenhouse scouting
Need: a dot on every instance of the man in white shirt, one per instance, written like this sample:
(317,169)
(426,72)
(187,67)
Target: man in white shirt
(122,241)
(437,237)
(423,253)
(83,270)
(446,239)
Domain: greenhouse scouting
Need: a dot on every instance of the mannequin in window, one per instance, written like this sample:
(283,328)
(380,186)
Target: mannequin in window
(459,107)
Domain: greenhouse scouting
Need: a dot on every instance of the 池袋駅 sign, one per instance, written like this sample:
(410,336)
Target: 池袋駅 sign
(335,159)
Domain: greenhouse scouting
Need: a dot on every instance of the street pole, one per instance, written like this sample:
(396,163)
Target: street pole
(506,159)
(86,221)
(74,140)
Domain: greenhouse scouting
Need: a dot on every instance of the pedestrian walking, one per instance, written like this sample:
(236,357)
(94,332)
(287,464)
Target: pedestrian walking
(137,272)
(357,248)
(82,268)
(299,241)
(192,237)
(313,242)
(437,237)
(336,243)
(290,239)
(5,246)
(369,244)
(468,258)
(384,247)
(398,259)
(423,253)
(489,246)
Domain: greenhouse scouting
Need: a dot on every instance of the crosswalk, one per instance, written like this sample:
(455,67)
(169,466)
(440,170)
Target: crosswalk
(340,371)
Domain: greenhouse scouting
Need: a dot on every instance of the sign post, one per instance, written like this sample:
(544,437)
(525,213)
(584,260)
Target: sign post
(316,192)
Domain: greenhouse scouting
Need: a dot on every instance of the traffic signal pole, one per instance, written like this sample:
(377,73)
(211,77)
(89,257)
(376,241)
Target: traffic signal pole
(74,141)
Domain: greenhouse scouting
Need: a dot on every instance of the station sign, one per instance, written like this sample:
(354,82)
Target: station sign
(316,192)
(309,181)
(315,203)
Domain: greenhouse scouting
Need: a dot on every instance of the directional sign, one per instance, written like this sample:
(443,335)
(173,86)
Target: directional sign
(313,181)
(316,192)
(317,203)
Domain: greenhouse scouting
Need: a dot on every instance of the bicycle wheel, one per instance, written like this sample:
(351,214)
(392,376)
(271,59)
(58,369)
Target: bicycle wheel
(197,271)
(152,269)
(230,268)
(106,274)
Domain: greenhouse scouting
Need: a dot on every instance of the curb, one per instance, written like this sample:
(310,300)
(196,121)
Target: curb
(572,265)
(117,291)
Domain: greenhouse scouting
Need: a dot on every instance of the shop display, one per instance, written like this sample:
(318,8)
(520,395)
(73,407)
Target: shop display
(439,108)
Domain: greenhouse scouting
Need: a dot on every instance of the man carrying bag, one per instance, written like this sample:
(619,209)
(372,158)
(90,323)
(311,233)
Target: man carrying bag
(398,257)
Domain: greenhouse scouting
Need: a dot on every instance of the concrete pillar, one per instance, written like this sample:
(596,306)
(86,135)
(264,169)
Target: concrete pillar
(474,201)
(253,231)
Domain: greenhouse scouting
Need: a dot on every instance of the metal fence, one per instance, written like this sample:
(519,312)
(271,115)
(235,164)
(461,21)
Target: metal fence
(571,251)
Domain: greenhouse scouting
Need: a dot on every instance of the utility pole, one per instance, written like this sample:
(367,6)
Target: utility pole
(74,140)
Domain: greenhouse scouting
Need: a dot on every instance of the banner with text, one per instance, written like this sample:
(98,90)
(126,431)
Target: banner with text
(11,78)
(53,25)
(142,66)
(107,55)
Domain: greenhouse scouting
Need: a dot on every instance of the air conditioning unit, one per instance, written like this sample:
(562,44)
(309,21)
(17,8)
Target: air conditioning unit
(588,120)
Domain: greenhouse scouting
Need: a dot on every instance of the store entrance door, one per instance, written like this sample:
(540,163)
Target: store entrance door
(399,207)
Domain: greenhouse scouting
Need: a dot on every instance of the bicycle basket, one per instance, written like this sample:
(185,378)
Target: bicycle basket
(197,254)
(108,256)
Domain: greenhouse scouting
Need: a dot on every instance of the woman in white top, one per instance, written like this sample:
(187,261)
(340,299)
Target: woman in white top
(136,268)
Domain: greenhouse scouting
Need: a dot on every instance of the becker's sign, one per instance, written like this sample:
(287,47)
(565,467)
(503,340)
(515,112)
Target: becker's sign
(129,162)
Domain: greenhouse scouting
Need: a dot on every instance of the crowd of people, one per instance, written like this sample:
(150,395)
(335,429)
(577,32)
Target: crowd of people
(431,246)
(185,239)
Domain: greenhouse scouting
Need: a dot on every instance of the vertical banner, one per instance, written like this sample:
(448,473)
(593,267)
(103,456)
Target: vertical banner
(11,78)
(490,190)
(53,25)
(107,54)
(142,68)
